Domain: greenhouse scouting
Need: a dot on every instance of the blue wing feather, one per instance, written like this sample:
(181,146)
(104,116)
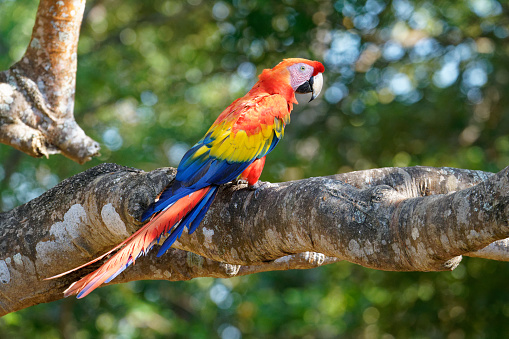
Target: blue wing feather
(198,173)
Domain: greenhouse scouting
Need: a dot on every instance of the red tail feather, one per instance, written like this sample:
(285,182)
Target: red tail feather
(137,244)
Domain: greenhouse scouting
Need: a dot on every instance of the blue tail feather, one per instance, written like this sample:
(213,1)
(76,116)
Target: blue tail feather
(121,269)
(92,283)
(194,217)
(166,199)
(197,221)
(175,234)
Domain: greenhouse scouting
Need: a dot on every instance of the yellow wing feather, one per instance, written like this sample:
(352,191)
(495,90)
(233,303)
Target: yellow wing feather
(250,132)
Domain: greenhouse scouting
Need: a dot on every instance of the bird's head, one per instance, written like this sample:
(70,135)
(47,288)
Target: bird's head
(306,76)
(302,75)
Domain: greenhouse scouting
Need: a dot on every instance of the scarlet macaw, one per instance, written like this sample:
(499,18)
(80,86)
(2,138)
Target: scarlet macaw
(234,147)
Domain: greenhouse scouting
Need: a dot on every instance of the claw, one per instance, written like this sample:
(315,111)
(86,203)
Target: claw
(240,182)
(257,187)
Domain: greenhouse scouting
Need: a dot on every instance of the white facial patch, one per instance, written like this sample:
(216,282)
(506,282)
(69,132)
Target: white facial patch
(299,74)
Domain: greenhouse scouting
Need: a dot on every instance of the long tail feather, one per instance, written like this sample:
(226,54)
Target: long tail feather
(197,220)
(139,243)
(198,211)
(166,199)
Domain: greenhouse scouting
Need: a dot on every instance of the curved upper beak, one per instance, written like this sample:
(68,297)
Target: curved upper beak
(313,85)
(316,86)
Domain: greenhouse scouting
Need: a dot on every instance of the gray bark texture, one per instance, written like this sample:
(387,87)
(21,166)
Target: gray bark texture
(397,219)
(37,93)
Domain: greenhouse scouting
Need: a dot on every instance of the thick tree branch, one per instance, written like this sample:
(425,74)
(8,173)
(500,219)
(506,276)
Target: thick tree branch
(37,93)
(407,219)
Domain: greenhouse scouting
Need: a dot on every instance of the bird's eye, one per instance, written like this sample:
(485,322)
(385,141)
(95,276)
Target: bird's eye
(302,68)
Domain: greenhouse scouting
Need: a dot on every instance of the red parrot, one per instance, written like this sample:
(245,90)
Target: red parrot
(234,147)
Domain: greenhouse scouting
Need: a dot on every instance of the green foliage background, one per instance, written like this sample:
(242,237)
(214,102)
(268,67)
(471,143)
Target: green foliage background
(407,83)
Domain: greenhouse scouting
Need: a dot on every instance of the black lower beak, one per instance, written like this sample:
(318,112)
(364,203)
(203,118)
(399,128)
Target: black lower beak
(306,87)
(313,85)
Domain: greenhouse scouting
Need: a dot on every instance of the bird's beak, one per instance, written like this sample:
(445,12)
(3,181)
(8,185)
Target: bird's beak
(316,86)
(313,85)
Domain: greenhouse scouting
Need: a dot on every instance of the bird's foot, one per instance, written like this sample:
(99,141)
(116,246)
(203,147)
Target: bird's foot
(258,187)
(239,182)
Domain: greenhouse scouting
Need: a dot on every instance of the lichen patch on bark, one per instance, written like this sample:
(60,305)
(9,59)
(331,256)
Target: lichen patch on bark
(208,233)
(6,96)
(64,233)
(5,275)
(113,221)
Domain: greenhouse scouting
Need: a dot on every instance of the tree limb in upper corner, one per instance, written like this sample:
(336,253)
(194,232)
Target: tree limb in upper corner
(37,93)
(400,219)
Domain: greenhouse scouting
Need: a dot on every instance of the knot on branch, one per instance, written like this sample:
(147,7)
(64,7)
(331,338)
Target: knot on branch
(29,123)
(230,270)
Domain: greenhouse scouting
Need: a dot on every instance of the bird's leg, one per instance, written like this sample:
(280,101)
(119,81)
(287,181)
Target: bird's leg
(252,173)
(257,186)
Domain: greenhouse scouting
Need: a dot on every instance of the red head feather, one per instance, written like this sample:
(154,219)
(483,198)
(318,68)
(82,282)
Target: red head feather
(277,79)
